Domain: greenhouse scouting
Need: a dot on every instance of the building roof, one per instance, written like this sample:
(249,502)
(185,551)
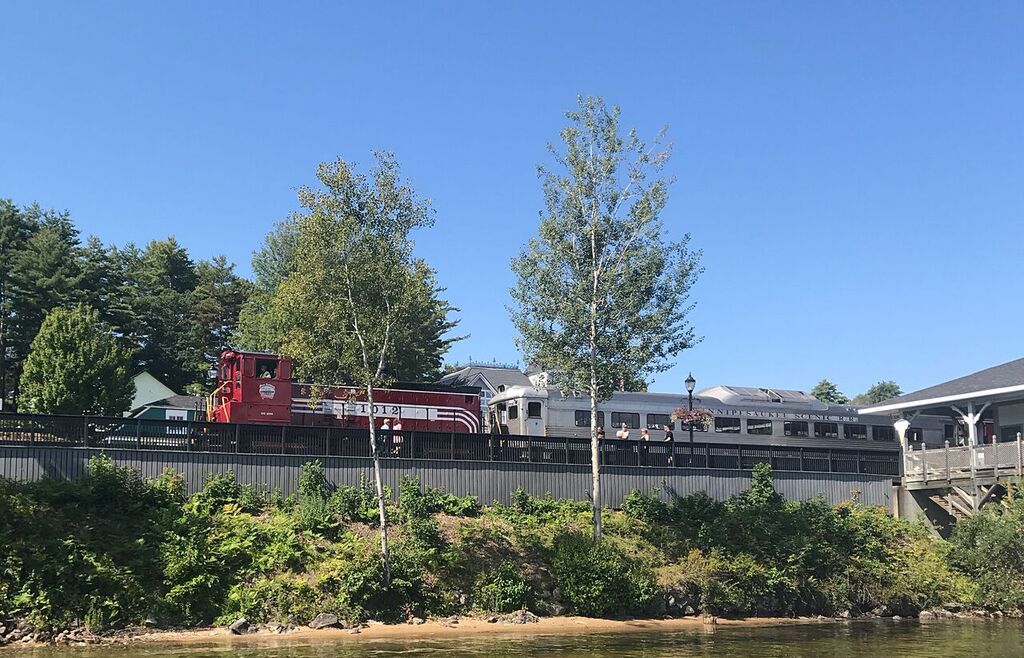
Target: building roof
(1007,378)
(181,402)
(495,376)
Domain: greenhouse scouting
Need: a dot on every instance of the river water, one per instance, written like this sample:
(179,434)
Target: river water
(874,639)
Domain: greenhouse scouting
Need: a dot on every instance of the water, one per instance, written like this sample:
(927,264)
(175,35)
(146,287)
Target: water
(874,639)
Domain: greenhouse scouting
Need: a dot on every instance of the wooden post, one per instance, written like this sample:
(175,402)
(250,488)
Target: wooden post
(947,461)
(1018,454)
(924,462)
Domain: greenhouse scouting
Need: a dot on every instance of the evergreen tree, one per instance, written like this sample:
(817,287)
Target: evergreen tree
(216,303)
(829,393)
(76,366)
(601,295)
(15,229)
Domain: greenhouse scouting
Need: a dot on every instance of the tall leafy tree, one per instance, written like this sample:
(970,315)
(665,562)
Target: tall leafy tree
(878,393)
(356,305)
(271,265)
(829,393)
(601,294)
(76,366)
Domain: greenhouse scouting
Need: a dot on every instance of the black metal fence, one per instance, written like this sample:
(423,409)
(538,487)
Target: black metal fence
(196,436)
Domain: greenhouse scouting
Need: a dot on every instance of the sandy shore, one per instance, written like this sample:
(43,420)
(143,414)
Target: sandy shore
(466,627)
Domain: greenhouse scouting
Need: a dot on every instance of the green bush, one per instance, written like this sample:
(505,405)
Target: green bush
(504,589)
(596,577)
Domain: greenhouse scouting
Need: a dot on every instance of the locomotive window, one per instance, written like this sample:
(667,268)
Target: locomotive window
(759,426)
(632,421)
(883,433)
(857,432)
(727,425)
(582,418)
(266,368)
(513,412)
(947,432)
(795,428)
(826,430)
(658,421)
(915,435)
(533,409)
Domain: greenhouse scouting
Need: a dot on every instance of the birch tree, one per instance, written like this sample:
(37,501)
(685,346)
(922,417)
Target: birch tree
(355,297)
(602,294)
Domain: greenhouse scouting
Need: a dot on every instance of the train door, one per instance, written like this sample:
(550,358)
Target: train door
(533,420)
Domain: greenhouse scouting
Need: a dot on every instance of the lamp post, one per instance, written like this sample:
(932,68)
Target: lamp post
(690,383)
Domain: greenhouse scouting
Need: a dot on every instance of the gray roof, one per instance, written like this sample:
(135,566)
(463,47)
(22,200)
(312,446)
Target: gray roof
(181,402)
(1001,376)
(507,377)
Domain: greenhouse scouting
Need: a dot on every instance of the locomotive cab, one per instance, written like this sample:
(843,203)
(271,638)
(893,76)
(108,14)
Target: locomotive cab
(252,387)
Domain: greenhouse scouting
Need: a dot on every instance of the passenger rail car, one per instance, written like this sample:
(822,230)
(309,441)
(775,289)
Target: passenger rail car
(740,415)
(258,388)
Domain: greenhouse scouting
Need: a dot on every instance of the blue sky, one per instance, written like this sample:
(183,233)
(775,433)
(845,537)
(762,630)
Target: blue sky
(852,171)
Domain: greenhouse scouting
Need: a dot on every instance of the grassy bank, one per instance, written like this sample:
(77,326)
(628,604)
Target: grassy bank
(111,550)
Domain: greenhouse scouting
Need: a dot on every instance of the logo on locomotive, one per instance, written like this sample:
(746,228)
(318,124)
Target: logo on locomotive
(267,391)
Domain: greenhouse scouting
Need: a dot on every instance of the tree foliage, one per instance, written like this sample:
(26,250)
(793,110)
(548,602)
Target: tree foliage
(601,295)
(76,366)
(174,314)
(829,393)
(879,393)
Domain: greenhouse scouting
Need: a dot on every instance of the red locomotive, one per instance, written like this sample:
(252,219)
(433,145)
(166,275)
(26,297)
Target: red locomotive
(258,388)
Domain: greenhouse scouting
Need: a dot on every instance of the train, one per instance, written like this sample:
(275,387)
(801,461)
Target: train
(735,414)
(258,387)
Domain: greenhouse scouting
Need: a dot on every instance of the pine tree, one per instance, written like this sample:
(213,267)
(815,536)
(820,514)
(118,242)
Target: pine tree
(829,393)
(76,366)
(217,301)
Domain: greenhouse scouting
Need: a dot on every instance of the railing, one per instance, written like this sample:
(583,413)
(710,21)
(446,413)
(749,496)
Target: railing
(950,463)
(201,436)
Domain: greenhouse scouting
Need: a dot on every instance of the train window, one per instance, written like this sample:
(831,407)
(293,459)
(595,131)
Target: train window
(948,432)
(826,430)
(513,412)
(795,428)
(759,426)
(266,368)
(632,421)
(658,421)
(883,433)
(915,435)
(582,418)
(855,432)
(727,425)
(533,409)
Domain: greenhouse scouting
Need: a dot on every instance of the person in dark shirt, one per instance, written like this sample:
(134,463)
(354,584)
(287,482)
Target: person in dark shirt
(668,433)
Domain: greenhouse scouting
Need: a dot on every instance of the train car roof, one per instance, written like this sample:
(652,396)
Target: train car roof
(731,396)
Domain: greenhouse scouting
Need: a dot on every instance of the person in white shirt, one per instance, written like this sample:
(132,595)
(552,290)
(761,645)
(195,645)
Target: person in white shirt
(396,435)
(623,433)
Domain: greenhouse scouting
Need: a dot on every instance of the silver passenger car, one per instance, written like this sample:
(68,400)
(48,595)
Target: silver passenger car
(739,415)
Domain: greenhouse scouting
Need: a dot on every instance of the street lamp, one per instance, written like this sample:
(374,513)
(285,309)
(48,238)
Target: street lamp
(690,384)
(902,425)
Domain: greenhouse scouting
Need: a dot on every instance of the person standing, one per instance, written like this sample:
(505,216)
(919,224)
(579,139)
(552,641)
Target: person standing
(396,434)
(623,433)
(670,439)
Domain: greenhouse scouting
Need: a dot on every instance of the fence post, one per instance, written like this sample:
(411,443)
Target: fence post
(85,431)
(138,434)
(238,434)
(451,452)
(739,457)
(858,461)
(801,458)
(924,462)
(946,451)
(830,468)
(283,427)
(707,455)
(1018,454)
(529,448)
(566,449)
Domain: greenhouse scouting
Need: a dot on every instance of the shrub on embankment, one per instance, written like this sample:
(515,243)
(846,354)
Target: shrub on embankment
(111,550)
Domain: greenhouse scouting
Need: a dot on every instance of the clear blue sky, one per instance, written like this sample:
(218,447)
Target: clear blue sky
(854,172)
